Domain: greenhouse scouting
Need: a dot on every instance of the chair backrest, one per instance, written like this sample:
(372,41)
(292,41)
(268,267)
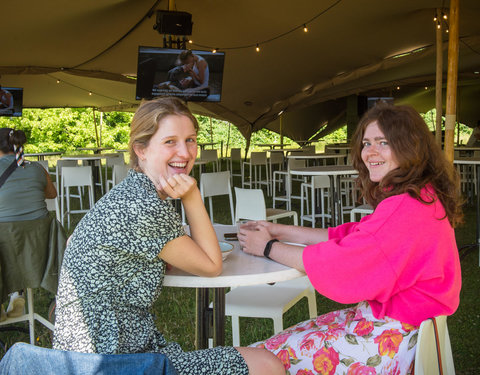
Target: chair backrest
(77,176)
(426,359)
(309,150)
(43,163)
(120,171)
(63,163)
(209,155)
(216,183)
(296,163)
(115,160)
(276,157)
(250,204)
(321,182)
(258,158)
(236,154)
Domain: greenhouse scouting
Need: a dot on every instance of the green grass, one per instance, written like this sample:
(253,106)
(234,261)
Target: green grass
(175,309)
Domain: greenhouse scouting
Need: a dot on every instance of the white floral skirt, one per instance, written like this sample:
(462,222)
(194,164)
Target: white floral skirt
(350,341)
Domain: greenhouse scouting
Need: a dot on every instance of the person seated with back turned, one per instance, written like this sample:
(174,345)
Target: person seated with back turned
(114,263)
(22,195)
(400,264)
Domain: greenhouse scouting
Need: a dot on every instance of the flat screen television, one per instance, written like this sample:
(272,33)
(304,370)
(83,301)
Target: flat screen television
(374,100)
(11,101)
(176,72)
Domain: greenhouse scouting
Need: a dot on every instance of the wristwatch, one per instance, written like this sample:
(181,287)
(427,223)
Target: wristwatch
(268,248)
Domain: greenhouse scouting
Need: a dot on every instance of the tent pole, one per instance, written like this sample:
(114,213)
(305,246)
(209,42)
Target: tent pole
(95,123)
(452,79)
(281,129)
(438,81)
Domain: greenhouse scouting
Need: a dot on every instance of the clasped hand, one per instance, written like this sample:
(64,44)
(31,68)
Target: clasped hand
(176,186)
(253,236)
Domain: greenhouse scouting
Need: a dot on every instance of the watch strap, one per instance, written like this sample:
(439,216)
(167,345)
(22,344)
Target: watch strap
(268,248)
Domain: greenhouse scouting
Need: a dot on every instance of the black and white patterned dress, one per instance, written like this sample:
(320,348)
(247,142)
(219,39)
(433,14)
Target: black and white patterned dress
(111,275)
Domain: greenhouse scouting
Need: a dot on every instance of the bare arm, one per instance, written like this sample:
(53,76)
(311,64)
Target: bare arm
(254,239)
(50,191)
(199,254)
(296,234)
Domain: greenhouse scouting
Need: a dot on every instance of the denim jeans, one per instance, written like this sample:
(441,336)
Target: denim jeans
(26,359)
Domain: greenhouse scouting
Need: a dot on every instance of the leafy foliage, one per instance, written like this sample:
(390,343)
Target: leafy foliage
(65,129)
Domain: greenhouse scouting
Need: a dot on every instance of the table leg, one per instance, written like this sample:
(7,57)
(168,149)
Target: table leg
(333,201)
(202,319)
(478,211)
(219,317)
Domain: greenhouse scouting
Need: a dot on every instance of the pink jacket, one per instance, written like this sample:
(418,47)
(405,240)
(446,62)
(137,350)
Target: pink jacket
(402,259)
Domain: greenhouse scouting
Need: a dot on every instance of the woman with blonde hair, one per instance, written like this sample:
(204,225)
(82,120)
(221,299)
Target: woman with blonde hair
(114,264)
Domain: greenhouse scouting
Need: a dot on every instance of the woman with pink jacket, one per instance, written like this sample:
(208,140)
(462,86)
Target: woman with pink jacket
(399,265)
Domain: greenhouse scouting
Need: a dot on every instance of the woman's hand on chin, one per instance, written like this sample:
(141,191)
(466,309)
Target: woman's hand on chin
(176,186)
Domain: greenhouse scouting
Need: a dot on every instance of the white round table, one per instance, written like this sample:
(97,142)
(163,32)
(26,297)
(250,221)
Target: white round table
(239,269)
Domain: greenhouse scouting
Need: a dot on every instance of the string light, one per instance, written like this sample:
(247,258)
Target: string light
(435,19)
(257,48)
(58,81)
(90,93)
(438,25)
(444,16)
(398,87)
(292,30)
(190,41)
(214,50)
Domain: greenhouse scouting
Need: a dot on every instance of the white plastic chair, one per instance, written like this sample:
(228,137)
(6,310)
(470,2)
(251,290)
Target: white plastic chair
(257,162)
(110,162)
(75,177)
(276,158)
(433,347)
(215,184)
(318,187)
(268,301)
(30,316)
(235,156)
(58,178)
(279,176)
(211,156)
(250,204)
(119,172)
(364,209)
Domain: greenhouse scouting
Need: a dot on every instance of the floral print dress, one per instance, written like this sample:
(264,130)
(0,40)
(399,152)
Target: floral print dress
(349,341)
(111,276)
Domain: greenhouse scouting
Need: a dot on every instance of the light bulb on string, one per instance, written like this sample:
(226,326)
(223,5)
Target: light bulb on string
(439,25)
(305,29)
(257,48)
(58,81)
(444,16)
(90,93)
(190,41)
(214,50)
(435,18)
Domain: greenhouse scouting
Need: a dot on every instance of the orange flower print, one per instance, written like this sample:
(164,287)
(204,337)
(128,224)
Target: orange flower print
(292,353)
(392,368)
(363,327)
(285,358)
(408,327)
(325,361)
(305,372)
(388,342)
(311,342)
(276,341)
(359,369)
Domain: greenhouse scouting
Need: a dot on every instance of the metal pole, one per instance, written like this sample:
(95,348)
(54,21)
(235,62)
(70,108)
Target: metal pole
(452,79)
(438,80)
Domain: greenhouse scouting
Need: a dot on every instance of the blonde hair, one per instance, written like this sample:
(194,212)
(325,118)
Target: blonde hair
(147,119)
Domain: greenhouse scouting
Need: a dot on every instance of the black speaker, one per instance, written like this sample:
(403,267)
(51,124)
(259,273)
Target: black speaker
(173,23)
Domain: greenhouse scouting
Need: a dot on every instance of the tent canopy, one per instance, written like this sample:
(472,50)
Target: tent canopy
(351,48)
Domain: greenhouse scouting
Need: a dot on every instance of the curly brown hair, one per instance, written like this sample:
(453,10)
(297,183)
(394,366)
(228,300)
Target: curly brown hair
(420,161)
